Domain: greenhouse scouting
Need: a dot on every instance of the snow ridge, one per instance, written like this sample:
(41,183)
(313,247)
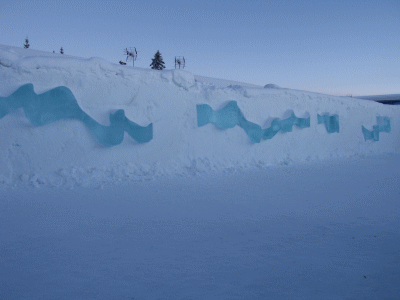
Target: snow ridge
(64,153)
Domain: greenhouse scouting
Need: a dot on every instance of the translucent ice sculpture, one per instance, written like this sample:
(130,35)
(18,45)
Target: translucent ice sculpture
(285,125)
(60,103)
(374,134)
(230,116)
(331,122)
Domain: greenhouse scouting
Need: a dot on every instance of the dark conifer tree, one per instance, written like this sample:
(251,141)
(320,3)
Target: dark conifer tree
(26,45)
(157,62)
(62,50)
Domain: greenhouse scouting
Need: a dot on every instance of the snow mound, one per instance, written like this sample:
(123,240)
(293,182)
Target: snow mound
(271,86)
(183,79)
(239,89)
(222,83)
(7,58)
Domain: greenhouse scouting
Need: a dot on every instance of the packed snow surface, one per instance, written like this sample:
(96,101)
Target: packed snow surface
(307,232)
(67,153)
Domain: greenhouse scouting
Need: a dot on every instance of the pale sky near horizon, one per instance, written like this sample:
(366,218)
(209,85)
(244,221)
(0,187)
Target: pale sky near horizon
(333,47)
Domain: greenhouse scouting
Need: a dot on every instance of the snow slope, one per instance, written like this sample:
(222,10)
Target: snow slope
(66,152)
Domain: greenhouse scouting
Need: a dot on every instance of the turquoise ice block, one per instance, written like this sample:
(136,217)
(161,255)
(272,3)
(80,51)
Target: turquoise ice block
(60,103)
(230,115)
(331,122)
(374,133)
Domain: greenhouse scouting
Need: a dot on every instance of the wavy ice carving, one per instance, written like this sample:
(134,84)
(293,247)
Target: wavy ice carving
(230,116)
(285,125)
(331,122)
(374,133)
(60,103)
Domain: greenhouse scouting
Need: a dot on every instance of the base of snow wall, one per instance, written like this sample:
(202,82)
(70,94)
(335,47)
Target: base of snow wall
(65,153)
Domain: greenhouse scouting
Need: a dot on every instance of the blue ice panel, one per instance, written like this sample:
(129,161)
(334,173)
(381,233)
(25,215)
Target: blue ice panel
(230,116)
(285,125)
(60,103)
(374,133)
(331,122)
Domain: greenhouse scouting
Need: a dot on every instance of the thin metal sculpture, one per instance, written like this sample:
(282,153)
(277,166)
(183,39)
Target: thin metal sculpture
(131,54)
(179,61)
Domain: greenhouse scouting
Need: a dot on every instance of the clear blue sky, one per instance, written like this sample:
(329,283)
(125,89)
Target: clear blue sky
(335,47)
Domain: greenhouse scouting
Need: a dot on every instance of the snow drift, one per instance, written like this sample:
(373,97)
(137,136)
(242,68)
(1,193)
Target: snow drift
(67,153)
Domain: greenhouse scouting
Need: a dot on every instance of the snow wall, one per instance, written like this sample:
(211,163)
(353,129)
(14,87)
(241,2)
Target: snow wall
(260,129)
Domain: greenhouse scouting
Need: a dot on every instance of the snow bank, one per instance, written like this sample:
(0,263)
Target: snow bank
(66,152)
(271,86)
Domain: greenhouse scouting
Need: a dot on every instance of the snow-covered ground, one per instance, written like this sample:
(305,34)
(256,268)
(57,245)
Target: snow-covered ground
(197,212)
(310,231)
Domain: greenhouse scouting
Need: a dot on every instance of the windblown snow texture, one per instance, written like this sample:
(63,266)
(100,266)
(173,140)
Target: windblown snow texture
(230,116)
(60,103)
(374,133)
(331,122)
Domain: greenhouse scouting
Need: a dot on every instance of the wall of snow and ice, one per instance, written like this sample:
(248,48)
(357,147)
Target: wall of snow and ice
(67,153)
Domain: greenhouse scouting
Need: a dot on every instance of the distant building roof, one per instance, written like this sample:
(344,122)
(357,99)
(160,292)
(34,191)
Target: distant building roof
(385,99)
(381,97)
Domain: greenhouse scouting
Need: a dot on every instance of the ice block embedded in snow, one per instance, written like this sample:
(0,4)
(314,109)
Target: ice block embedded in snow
(230,116)
(60,103)
(331,122)
(374,133)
